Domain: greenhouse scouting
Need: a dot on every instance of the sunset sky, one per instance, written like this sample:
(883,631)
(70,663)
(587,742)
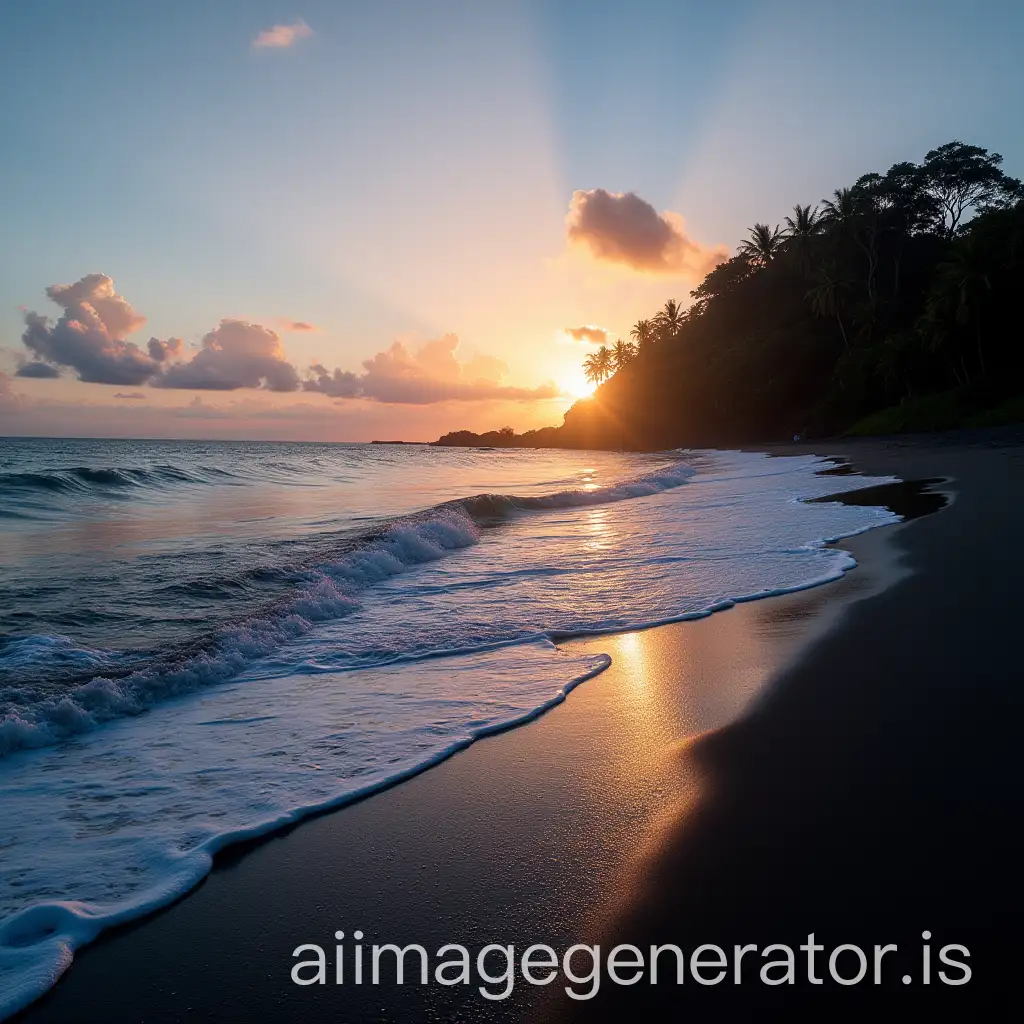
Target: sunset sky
(342,221)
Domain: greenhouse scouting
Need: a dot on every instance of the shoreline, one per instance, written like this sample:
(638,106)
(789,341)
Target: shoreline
(871,796)
(803,615)
(761,637)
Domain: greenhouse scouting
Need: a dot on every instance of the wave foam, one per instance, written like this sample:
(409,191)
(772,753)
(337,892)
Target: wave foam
(144,830)
(327,593)
(366,674)
(330,592)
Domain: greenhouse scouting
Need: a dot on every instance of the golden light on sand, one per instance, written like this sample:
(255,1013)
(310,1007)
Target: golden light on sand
(575,383)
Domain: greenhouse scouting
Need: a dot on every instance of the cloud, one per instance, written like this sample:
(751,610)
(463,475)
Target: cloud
(163,351)
(340,384)
(589,334)
(90,338)
(135,396)
(282,36)
(620,227)
(297,326)
(90,335)
(38,370)
(430,374)
(235,354)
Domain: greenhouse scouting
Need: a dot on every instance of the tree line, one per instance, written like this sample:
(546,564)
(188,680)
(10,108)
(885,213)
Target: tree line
(891,302)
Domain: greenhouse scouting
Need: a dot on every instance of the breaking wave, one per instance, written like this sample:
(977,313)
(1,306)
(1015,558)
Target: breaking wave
(327,592)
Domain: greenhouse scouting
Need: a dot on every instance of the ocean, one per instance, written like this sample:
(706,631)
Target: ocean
(205,641)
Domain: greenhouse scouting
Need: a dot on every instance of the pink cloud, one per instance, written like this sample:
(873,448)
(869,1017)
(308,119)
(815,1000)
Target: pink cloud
(425,376)
(90,336)
(620,227)
(90,339)
(282,36)
(235,354)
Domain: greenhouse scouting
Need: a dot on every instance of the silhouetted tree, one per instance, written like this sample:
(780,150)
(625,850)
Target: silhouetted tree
(827,298)
(763,245)
(919,270)
(961,177)
(598,366)
(726,278)
(903,207)
(668,320)
(849,216)
(801,231)
(957,299)
(841,211)
(643,332)
(622,353)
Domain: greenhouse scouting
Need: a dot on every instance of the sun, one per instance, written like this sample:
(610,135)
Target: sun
(576,384)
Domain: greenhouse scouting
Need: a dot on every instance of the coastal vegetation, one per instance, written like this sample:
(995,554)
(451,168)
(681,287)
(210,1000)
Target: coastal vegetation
(891,304)
(600,365)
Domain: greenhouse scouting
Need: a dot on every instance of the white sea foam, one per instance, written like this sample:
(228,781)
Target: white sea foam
(125,819)
(332,591)
(435,632)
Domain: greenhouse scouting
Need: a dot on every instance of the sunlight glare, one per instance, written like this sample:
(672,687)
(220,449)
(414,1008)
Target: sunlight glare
(576,384)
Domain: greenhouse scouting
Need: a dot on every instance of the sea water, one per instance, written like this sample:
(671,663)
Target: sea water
(202,642)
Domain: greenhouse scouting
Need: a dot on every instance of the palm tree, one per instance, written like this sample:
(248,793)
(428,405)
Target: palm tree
(800,233)
(962,282)
(598,365)
(763,245)
(842,211)
(827,298)
(623,352)
(669,319)
(643,332)
(846,213)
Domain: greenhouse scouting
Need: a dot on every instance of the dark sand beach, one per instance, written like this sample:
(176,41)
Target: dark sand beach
(844,761)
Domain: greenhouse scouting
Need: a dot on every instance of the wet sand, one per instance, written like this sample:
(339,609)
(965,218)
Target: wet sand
(843,760)
(873,796)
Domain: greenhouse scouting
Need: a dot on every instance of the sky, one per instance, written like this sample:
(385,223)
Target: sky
(313,219)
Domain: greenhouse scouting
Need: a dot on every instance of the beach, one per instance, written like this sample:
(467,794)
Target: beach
(839,761)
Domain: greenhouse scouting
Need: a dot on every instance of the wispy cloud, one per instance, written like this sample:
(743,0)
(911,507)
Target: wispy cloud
(620,227)
(433,373)
(589,334)
(295,326)
(280,37)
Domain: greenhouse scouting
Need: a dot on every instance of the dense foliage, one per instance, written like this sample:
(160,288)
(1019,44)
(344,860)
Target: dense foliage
(895,290)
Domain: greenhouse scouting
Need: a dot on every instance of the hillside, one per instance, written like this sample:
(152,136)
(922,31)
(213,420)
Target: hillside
(899,292)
